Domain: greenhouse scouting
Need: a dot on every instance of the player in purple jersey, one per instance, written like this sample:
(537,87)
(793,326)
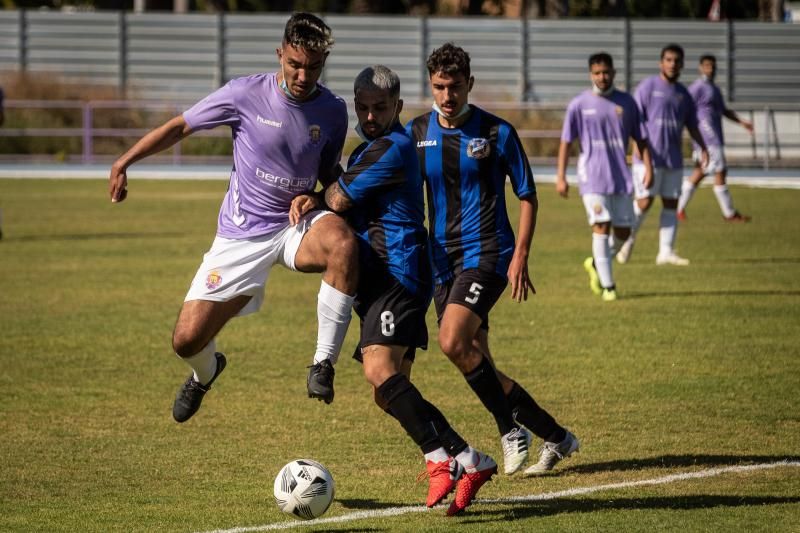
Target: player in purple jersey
(466,155)
(288,133)
(666,108)
(381,193)
(603,119)
(710,110)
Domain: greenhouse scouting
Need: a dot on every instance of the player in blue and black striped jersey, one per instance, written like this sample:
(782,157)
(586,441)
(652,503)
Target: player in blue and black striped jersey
(465,155)
(381,194)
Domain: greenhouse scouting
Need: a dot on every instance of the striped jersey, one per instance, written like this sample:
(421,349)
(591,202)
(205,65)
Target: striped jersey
(465,172)
(384,184)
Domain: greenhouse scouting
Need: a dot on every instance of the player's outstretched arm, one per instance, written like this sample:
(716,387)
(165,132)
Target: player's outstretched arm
(730,114)
(153,142)
(562,187)
(518,274)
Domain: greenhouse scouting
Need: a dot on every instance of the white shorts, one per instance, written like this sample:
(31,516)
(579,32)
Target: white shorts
(666,182)
(236,267)
(614,208)
(716,159)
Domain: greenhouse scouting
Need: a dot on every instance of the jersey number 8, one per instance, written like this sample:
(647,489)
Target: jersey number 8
(387,323)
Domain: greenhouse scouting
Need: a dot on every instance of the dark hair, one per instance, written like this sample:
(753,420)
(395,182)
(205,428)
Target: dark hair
(601,57)
(672,47)
(307,31)
(708,57)
(449,59)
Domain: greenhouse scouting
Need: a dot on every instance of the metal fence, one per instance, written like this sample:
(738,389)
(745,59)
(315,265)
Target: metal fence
(777,128)
(180,56)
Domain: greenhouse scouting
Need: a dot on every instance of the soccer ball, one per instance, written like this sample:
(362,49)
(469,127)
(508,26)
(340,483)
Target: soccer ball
(304,488)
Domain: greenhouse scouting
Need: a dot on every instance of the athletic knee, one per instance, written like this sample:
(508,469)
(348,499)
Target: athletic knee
(458,350)
(187,342)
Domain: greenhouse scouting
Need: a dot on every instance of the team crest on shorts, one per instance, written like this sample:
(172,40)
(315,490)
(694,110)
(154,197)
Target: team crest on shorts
(598,208)
(314,133)
(478,148)
(213,280)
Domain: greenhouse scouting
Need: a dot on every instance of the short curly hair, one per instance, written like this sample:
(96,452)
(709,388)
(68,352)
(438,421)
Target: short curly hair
(307,31)
(449,59)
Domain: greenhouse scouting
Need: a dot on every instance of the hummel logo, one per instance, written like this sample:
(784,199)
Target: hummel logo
(425,144)
(269,122)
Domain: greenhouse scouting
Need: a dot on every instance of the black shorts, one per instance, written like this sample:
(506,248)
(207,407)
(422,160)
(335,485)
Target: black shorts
(391,314)
(477,290)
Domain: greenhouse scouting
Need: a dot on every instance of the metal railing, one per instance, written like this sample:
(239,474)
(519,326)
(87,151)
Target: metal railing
(772,142)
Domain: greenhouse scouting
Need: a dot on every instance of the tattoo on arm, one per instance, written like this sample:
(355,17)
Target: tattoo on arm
(336,199)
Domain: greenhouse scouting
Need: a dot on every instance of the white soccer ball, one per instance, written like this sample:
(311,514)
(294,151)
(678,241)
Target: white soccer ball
(304,488)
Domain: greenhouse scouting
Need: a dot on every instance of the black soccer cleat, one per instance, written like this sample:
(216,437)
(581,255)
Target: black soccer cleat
(191,393)
(320,381)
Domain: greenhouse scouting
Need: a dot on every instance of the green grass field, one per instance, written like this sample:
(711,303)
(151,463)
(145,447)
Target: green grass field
(693,368)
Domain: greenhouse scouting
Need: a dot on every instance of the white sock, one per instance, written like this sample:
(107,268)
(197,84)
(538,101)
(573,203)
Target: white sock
(687,190)
(437,456)
(468,459)
(724,199)
(203,363)
(667,231)
(602,259)
(333,315)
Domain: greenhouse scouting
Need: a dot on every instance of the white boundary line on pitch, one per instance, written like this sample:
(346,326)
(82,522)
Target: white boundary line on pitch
(395,511)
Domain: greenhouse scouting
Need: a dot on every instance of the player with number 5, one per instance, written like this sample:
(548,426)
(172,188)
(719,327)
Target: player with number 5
(465,155)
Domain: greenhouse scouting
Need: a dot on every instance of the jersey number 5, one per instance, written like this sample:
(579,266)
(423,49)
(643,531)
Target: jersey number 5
(475,291)
(387,323)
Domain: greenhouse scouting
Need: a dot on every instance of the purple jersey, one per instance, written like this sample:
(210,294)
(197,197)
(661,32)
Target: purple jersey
(603,124)
(666,108)
(280,149)
(710,107)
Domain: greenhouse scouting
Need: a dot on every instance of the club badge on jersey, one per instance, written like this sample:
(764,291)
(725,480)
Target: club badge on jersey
(314,133)
(478,148)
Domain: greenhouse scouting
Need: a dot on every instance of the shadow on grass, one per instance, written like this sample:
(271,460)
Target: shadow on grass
(517,510)
(688,294)
(673,461)
(366,503)
(91,236)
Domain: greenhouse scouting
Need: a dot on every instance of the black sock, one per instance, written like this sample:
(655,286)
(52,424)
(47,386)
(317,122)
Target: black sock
(452,441)
(487,386)
(408,406)
(528,413)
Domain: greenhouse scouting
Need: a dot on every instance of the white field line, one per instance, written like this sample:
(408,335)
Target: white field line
(395,511)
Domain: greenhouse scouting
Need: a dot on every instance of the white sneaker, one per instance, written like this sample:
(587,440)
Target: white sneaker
(671,259)
(552,453)
(625,251)
(515,449)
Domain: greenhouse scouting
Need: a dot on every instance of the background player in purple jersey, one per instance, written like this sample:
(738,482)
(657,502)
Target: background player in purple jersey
(288,132)
(465,155)
(666,108)
(381,194)
(710,110)
(603,119)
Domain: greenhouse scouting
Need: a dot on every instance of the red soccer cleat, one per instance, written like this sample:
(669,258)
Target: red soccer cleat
(469,484)
(443,477)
